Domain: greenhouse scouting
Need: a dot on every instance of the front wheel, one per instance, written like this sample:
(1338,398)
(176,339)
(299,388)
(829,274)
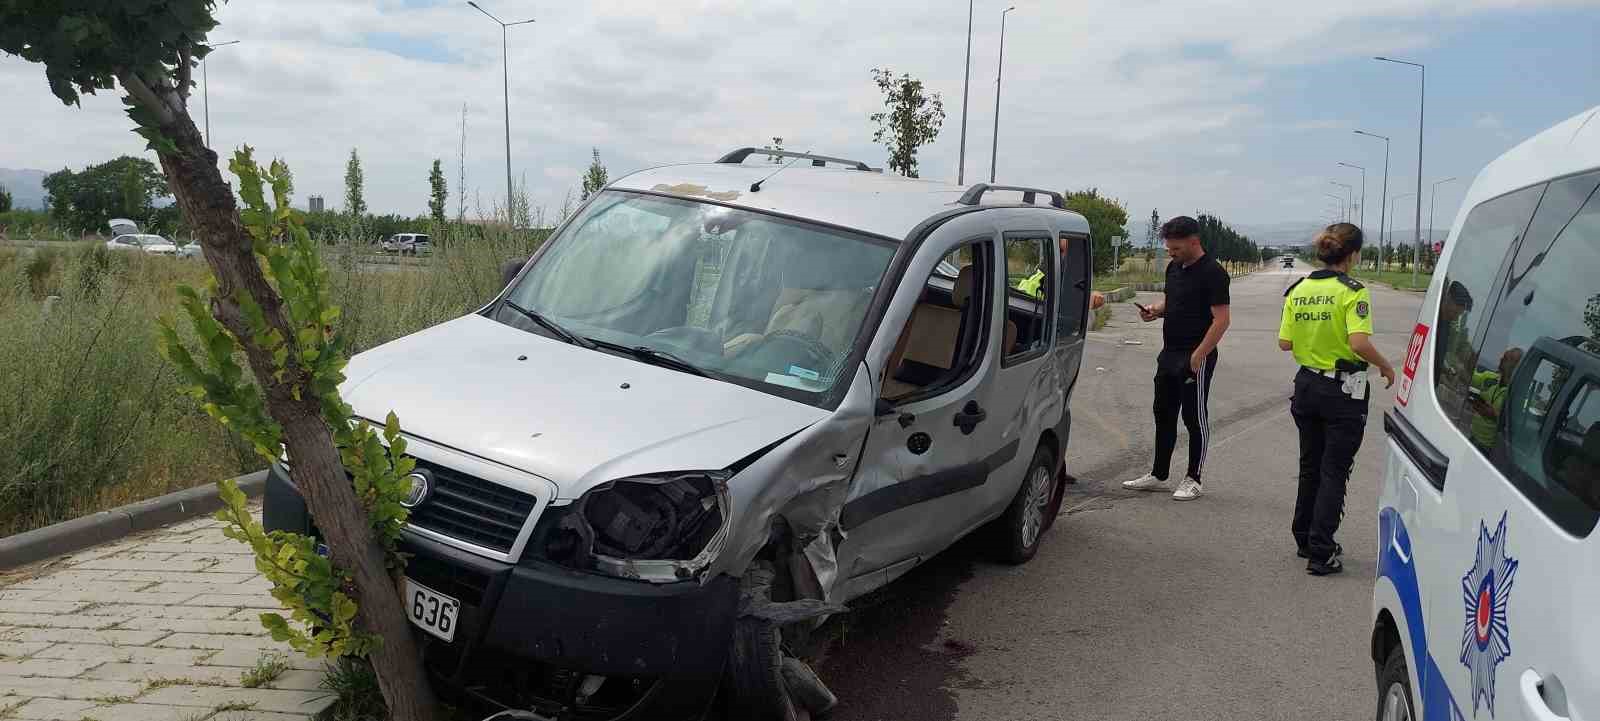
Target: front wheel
(1019,531)
(1394,688)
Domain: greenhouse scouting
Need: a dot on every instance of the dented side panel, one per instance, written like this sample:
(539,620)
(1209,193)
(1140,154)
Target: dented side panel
(803,483)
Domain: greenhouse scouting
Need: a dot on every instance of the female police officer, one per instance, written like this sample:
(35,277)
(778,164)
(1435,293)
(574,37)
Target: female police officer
(1327,324)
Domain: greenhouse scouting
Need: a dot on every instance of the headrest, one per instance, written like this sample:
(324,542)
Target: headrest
(963,288)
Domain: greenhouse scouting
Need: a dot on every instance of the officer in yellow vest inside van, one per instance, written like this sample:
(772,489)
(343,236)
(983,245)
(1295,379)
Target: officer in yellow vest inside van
(1033,285)
(1327,324)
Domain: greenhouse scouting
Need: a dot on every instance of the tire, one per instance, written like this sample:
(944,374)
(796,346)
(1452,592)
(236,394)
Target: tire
(1019,531)
(756,690)
(1394,688)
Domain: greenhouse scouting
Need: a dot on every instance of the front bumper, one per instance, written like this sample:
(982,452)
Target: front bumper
(528,634)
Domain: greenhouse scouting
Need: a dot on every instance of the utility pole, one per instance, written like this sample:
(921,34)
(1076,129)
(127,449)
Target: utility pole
(994,149)
(961,163)
(505,69)
(1422,105)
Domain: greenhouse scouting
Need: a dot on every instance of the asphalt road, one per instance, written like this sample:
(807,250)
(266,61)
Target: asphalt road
(1139,607)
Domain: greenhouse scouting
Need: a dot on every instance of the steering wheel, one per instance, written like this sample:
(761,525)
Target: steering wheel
(789,348)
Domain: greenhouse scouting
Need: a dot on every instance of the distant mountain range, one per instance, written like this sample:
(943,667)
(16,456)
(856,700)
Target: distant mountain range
(26,186)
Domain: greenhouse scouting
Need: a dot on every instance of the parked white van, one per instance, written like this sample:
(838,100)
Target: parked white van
(1487,598)
(721,401)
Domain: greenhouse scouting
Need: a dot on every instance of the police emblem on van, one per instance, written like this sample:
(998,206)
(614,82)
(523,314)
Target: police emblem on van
(1486,589)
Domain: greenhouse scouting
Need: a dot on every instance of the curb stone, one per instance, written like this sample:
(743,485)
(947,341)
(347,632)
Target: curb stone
(95,529)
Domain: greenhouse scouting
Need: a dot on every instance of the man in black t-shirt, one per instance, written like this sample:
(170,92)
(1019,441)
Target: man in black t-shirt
(1196,315)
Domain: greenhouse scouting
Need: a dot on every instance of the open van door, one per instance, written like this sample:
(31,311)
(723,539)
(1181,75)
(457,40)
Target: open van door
(122,226)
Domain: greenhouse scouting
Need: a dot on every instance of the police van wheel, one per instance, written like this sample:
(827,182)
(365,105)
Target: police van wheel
(1018,532)
(1394,688)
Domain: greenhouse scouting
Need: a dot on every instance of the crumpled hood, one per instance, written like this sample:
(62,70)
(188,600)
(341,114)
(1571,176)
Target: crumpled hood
(573,416)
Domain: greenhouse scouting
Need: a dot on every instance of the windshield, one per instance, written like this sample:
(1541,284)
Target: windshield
(765,302)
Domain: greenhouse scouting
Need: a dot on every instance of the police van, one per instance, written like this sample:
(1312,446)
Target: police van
(1485,603)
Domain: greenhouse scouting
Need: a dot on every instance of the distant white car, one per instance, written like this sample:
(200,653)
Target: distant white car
(152,244)
(408,244)
(192,250)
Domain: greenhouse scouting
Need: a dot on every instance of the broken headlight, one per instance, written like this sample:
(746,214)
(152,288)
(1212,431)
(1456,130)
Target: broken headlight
(660,528)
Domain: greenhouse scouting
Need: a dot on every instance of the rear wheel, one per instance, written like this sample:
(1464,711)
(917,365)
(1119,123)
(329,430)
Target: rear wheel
(1394,688)
(1018,532)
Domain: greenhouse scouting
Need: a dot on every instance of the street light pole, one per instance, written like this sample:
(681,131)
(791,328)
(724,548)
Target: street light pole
(1392,208)
(1432,198)
(205,86)
(1383,199)
(1363,194)
(966,81)
(1000,66)
(1422,104)
(505,69)
(1349,201)
(1341,214)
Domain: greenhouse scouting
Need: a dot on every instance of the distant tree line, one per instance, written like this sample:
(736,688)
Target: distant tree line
(1224,243)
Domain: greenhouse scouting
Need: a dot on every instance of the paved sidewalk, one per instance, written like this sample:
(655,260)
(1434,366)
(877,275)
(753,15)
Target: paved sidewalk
(159,626)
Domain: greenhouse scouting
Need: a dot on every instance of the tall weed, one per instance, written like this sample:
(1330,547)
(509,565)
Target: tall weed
(91,416)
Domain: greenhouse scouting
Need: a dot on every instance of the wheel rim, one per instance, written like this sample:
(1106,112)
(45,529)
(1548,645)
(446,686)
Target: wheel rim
(1394,704)
(1035,505)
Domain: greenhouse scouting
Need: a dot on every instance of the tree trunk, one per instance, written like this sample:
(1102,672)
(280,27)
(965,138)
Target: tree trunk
(208,203)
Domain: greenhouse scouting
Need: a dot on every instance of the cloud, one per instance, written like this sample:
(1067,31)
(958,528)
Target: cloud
(1488,121)
(1119,95)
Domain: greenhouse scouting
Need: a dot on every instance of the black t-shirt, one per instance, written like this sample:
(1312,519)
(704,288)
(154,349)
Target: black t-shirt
(1191,292)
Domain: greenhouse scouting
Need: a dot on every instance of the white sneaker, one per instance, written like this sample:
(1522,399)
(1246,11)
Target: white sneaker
(1188,490)
(1145,482)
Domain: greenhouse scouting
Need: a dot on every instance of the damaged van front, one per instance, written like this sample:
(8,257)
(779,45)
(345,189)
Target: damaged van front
(669,395)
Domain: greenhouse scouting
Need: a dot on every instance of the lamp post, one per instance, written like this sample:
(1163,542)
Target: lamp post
(1363,194)
(1392,208)
(505,69)
(1432,198)
(1349,198)
(966,82)
(205,86)
(1341,214)
(1383,198)
(1422,104)
(1000,66)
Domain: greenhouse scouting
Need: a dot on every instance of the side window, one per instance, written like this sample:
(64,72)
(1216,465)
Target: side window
(1030,288)
(1074,287)
(1540,424)
(1490,231)
(944,339)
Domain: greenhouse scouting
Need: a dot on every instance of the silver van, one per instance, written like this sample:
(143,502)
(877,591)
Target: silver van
(719,403)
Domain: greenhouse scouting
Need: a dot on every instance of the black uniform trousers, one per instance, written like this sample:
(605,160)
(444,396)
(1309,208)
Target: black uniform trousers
(1179,390)
(1331,424)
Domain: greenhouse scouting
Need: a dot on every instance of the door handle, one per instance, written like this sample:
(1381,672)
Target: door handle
(970,416)
(1534,702)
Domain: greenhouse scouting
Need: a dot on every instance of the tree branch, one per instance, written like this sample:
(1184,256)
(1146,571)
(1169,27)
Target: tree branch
(146,97)
(185,72)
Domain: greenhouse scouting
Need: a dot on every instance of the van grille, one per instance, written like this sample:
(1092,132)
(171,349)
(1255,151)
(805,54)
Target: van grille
(472,509)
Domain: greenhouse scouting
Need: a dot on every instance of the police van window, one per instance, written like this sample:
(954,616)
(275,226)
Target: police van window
(1030,287)
(1488,234)
(1551,300)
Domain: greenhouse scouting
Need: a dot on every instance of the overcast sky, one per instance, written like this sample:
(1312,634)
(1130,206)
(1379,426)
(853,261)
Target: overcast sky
(1240,107)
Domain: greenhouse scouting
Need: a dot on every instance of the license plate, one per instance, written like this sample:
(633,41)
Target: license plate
(431,611)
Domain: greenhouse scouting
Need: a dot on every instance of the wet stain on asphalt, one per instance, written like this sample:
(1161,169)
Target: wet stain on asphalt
(885,659)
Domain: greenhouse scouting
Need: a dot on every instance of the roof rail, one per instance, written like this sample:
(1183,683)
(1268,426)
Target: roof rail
(738,156)
(975,193)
